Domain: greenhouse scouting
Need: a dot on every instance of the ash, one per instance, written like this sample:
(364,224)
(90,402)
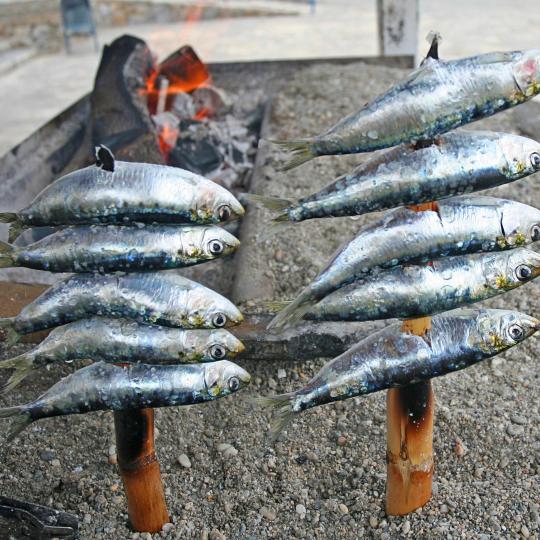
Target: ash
(208,133)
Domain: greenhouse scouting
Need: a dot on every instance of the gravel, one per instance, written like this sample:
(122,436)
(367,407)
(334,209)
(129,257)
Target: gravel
(241,487)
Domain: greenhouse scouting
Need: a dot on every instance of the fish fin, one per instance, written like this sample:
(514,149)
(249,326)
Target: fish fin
(22,365)
(434,38)
(6,255)
(16,227)
(293,312)
(270,203)
(301,150)
(7,328)
(275,305)
(282,407)
(21,420)
(104,158)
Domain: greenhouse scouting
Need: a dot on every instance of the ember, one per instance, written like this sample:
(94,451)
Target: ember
(194,121)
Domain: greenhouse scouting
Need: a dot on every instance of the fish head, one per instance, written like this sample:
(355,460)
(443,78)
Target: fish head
(223,345)
(209,309)
(223,378)
(206,243)
(522,156)
(520,224)
(500,329)
(216,204)
(526,72)
(510,269)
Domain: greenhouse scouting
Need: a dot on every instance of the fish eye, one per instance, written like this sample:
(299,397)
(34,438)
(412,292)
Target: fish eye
(224,211)
(234,384)
(535,233)
(516,332)
(217,352)
(535,160)
(216,247)
(219,320)
(523,272)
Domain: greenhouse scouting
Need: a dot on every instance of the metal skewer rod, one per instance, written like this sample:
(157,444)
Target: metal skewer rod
(139,469)
(409,419)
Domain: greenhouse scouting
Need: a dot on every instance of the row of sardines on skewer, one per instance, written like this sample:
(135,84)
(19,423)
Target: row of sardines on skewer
(156,338)
(407,264)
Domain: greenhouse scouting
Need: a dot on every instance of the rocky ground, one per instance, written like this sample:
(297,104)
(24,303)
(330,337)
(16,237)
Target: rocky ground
(325,477)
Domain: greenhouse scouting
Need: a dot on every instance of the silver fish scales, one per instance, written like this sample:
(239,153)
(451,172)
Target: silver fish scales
(99,248)
(408,292)
(437,97)
(108,387)
(163,298)
(392,358)
(120,340)
(131,192)
(459,163)
(461,225)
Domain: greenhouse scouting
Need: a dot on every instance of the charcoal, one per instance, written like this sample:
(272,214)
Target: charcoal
(210,101)
(198,156)
(182,106)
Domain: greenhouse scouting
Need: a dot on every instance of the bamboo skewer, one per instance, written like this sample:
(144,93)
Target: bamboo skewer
(410,412)
(139,468)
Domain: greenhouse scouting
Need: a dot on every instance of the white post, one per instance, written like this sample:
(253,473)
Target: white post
(398,27)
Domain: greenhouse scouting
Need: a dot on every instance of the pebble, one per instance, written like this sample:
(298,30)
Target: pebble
(525,531)
(459,448)
(227,450)
(343,509)
(46,455)
(517,419)
(342,440)
(272,383)
(267,513)
(112,459)
(215,534)
(406,528)
(373,521)
(281,374)
(514,430)
(55,463)
(301,510)
(168,527)
(279,255)
(184,460)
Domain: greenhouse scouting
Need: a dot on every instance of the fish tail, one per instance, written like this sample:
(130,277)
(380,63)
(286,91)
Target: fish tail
(275,305)
(301,151)
(270,203)
(6,255)
(294,311)
(22,365)
(281,405)
(21,420)
(7,328)
(16,226)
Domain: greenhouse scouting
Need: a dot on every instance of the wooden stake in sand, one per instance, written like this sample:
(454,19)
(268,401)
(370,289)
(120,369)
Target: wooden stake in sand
(409,418)
(139,469)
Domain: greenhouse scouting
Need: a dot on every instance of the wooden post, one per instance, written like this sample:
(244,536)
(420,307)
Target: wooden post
(409,454)
(398,27)
(139,469)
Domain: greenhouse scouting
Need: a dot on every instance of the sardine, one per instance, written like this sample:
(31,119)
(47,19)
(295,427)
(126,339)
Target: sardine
(108,248)
(460,163)
(120,340)
(103,386)
(130,192)
(392,358)
(411,291)
(435,98)
(461,225)
(163,298)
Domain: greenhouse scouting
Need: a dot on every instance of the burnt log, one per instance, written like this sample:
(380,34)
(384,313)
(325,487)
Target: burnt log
(120,116)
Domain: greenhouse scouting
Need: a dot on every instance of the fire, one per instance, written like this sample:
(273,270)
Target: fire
(185,72)
(182,72)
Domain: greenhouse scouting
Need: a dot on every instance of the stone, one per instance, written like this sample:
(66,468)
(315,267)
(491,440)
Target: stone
(267,513)
(184,461)
(514,430)
(373,521)
(215,534)
(343,508)
(281,374)
(406,528)
(301,510)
